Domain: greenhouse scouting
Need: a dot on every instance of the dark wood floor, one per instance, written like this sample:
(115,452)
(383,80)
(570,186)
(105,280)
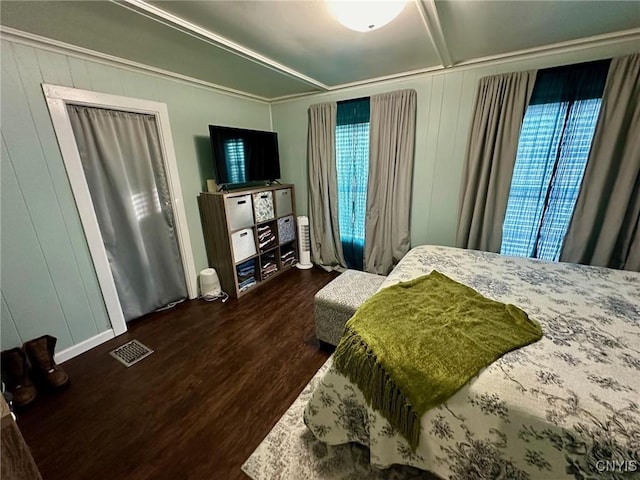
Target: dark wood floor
(220,378)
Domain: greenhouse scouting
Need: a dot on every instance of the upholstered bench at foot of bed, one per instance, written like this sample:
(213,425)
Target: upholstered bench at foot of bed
(338,301)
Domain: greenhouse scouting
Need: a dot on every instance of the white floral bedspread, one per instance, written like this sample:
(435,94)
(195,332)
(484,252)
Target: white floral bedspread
(566,407)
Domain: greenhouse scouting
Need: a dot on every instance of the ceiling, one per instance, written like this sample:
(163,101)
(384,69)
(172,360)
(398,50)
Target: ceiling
(275,49)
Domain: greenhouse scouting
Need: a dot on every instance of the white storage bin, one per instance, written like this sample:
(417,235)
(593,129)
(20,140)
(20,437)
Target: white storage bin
(283,202)
(239,211)
(244,245)
(263,206)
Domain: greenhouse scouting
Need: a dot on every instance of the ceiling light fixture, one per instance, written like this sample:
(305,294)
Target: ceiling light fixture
(365,15)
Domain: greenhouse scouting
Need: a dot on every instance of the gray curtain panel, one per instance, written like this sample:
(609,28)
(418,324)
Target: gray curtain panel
(604,229)
(500,105)
(326,248)
(122,160)
(391,155)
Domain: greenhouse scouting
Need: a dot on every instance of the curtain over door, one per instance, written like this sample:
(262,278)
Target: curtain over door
(123,164)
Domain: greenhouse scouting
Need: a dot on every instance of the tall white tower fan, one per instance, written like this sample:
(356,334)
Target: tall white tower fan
(304,244)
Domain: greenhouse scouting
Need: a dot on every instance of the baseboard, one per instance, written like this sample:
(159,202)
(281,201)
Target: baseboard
(88,344)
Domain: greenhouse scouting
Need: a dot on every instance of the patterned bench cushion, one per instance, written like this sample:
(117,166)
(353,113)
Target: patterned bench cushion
(338,301)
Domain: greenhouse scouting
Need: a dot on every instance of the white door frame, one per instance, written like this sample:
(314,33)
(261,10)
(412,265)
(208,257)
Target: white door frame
(58,98)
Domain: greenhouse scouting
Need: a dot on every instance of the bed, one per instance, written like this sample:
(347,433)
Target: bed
(566,406)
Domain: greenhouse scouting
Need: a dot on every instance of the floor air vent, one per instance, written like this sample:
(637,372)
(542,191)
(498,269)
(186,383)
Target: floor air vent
(130,353)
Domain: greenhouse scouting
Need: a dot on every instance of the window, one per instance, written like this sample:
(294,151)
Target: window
(352,167)
(553,150)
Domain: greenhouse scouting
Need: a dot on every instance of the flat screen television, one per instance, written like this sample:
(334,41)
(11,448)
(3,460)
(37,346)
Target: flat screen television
(242,156)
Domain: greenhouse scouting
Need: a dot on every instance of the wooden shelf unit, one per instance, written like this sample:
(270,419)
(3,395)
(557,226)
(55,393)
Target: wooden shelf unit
(229,219)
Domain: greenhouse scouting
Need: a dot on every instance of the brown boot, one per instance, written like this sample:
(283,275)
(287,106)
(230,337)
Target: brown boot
(40,351)
(15,373)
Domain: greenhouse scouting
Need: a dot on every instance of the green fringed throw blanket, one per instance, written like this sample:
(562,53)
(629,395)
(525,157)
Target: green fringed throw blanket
(413,345)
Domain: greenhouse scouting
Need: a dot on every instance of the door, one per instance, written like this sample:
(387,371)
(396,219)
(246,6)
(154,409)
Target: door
(124,169)
(123,174)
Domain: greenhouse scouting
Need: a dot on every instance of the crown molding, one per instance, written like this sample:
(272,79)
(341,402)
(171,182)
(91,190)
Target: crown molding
(557,48)
(596,41)
(45,43)
(33,40)
(178,23)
